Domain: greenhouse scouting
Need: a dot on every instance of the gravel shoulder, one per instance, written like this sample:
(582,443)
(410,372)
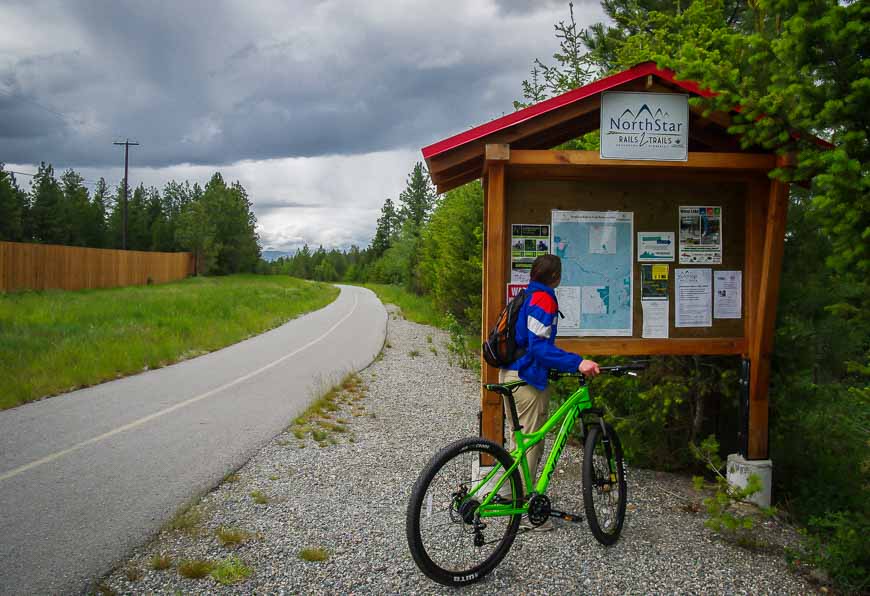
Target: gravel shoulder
(347,495)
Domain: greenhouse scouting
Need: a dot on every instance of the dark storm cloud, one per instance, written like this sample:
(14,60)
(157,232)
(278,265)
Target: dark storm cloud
(215,83)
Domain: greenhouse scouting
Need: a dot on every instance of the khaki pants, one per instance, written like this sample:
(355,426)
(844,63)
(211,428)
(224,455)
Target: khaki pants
(532,409)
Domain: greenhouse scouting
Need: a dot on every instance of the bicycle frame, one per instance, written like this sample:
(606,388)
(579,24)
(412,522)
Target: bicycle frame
(571,411)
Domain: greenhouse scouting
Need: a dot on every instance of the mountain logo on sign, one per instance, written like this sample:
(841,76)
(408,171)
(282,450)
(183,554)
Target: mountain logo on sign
(643,121)
(645,108)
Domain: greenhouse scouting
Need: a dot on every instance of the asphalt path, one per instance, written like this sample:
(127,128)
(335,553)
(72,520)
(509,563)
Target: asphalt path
(87,476)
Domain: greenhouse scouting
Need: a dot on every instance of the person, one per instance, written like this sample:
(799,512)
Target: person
(536,332)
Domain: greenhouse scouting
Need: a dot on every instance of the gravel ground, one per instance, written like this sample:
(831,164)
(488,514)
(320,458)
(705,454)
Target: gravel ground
(348,497)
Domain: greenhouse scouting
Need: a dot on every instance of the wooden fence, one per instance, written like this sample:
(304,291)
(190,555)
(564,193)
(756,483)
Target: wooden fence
(26,266)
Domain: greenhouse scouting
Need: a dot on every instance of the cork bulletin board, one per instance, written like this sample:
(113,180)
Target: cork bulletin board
(655,204)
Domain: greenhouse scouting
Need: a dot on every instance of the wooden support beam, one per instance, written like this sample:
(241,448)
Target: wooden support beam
(497,152)
(635,346)
(764,318)
(697,160)
(495,259)
(757,196)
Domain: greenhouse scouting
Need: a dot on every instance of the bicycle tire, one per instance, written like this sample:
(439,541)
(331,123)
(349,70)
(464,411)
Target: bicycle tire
(429,557)
(606,519)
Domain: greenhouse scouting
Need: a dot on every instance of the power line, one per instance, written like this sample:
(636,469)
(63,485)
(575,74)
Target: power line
(83,181)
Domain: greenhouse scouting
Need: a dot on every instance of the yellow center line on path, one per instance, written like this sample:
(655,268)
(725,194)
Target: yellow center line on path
(150,417)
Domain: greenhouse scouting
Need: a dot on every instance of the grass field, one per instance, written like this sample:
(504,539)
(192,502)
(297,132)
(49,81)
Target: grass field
(420,309)
(52,342)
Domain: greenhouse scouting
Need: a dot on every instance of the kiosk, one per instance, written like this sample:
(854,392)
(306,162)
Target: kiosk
(678,230)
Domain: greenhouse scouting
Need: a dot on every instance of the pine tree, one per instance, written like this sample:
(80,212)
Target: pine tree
(195,232)
(100,207)
(77,210)
(47,213)
(418,198)
(12,208)
(387,228)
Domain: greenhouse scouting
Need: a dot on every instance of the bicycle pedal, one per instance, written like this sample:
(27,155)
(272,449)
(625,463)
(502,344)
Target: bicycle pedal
(571,517)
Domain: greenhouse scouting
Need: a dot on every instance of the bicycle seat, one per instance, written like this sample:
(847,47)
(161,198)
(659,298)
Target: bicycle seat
(504,388)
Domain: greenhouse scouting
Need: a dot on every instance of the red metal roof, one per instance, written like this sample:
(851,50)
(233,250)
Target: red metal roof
(554,103)
(636,72)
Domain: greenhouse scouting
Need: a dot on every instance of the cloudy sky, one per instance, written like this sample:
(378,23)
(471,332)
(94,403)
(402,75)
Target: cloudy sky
(319,109)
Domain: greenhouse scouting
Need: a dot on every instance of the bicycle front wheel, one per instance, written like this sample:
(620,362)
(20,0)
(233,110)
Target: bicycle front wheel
(441,531)
(604,490)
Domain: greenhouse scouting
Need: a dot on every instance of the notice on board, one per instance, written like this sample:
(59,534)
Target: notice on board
(528,241)
(655,246)
(727,294)
(655,318)
(700,235)
(514,289)
(653,282)
(693,290)
(597,252)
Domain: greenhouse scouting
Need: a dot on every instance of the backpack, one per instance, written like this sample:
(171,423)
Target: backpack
(500,348)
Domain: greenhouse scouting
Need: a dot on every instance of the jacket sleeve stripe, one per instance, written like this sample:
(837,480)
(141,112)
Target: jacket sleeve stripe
(538,328)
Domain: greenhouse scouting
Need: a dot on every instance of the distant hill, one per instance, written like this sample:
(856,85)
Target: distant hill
(274,255)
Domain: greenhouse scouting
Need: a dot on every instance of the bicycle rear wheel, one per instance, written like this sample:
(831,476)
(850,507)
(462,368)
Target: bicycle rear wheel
(440,519)
(604,490)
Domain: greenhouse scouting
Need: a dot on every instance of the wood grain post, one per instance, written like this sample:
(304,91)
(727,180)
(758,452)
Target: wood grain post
(495,279)
(764,318)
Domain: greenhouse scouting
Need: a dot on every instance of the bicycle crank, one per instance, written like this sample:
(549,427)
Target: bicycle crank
(571,517)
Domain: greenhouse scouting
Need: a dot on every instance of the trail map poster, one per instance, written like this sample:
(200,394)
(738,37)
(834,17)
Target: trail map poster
(597,251)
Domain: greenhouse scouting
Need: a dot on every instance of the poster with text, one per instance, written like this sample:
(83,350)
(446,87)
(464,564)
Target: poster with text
(693,291)
(655,318)
(727,294)
(528,242)
(700,235)
(655,246)
(653,282)
(597,250)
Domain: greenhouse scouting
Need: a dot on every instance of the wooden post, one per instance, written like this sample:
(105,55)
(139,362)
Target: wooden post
(494,264)
(764,318)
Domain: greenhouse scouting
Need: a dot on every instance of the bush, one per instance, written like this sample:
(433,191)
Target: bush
(837,542)
(671,404)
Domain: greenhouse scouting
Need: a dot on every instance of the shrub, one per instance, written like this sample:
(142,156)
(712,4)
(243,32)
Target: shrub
(230,571)
(837,542)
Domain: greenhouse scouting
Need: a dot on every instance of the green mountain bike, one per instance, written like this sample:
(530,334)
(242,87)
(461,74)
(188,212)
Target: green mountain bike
(467,503)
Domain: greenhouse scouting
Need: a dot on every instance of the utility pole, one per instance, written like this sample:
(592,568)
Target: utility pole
(126,145)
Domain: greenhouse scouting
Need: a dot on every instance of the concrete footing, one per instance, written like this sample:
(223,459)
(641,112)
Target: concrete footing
(739,470)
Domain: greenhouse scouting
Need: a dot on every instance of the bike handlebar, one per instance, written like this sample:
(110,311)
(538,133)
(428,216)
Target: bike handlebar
(616,370)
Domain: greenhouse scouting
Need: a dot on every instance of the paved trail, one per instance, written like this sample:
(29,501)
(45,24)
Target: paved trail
(85,477)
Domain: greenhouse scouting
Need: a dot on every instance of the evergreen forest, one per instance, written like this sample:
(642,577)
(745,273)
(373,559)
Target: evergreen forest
(216,223)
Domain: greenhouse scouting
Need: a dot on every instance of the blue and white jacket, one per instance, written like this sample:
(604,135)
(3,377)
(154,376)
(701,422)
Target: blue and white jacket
(536,331)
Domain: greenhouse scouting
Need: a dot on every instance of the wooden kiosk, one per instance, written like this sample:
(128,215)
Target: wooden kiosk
(524,181)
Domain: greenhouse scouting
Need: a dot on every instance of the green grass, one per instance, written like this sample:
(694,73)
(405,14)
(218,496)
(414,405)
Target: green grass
(322,420)
(55,341)
(313,554)
(230,571)
(187,519)
(160,561)
(231,537)
(259,497)
(195,568)
(419,309)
